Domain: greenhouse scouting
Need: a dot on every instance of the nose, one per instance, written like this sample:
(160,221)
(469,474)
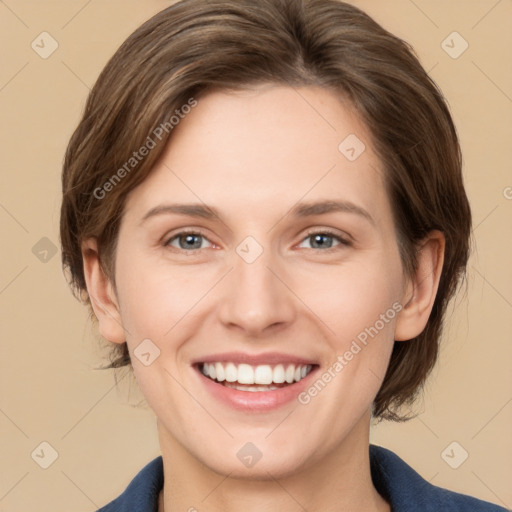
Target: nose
(256,299)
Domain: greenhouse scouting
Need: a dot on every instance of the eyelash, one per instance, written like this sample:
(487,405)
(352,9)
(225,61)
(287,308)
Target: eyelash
(343,242)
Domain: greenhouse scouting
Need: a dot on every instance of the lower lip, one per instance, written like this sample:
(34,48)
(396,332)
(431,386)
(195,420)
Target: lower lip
(256,400)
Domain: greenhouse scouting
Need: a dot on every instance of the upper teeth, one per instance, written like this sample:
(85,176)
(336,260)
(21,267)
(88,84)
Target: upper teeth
(261,374)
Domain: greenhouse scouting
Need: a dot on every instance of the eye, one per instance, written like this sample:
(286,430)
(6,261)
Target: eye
(324,240)
(186,240)
(193,240)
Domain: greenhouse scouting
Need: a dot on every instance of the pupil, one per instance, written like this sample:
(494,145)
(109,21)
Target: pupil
(189,241)
(318,239)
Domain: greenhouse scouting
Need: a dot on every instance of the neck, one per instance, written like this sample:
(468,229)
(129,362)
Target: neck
(340,482)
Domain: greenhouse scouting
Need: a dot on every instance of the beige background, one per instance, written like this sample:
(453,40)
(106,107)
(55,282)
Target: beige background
(49,390)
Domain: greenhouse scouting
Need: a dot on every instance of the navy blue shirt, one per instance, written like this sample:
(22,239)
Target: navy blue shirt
(400,485)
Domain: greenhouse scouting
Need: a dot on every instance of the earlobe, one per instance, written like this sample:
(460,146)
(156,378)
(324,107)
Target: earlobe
(102,295)
(421,289)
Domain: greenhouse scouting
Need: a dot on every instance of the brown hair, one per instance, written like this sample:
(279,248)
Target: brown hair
(193,47)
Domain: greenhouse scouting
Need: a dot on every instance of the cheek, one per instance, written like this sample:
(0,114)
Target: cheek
(353,299)
(157,298)
(360,309)
(362,319)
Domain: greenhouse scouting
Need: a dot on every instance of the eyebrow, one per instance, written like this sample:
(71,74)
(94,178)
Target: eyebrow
(300,210)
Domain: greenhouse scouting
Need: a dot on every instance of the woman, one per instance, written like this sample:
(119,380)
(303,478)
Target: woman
(264,204)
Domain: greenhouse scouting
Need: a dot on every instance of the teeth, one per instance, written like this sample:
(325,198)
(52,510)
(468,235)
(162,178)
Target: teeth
(246,374)
(231,372)
(278,375)
(290,371)
(219,370)
(250,388)
(263,374)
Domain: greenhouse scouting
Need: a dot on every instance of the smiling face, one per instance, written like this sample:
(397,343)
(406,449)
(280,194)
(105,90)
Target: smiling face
(280,286)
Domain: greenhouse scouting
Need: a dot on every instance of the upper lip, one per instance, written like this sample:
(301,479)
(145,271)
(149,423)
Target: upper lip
(254,359)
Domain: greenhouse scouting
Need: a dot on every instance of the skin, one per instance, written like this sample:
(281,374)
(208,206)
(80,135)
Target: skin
(274,146)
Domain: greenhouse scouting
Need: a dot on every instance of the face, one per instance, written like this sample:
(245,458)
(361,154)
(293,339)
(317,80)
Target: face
(280,266)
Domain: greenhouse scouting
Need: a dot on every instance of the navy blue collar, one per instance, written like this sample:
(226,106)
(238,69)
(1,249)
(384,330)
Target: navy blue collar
(397,482)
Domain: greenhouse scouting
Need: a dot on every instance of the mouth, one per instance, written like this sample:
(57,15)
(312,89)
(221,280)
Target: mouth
(254,383)
(255,378)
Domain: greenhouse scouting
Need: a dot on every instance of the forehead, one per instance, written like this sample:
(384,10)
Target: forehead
(269,146)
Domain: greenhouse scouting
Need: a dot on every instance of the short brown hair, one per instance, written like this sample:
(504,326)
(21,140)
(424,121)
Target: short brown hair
(194,47)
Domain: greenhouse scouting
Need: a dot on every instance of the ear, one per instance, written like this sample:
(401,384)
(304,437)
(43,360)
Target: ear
(421,289)
(102,295)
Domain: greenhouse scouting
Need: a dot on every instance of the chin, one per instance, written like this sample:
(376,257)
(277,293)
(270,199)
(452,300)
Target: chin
(269,468)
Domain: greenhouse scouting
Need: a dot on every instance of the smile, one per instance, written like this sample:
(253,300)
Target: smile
(254,383)
(263,377)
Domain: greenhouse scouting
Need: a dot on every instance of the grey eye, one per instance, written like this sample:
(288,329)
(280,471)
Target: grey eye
(186,241)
